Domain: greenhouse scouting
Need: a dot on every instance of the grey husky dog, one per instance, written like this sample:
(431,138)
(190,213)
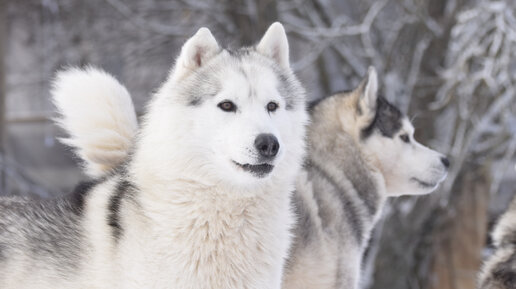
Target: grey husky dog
(499,270)
(203,200)
(361,150)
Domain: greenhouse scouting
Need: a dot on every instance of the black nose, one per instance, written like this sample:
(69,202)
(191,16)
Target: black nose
(267,145)
(446,162)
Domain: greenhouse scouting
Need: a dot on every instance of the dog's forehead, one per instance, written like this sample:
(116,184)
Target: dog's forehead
(245,72)
(262,76)
(251,74)
(407,126)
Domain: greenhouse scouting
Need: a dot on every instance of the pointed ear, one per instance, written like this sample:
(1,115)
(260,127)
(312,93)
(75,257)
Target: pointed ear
(368,92)
(197,50)
(274,44)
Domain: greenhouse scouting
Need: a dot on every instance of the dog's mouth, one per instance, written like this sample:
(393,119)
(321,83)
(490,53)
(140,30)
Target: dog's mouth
(423,184)
(259,170)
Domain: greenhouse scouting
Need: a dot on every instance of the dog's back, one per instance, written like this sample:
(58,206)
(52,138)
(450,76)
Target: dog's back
(39,239)
(45,243)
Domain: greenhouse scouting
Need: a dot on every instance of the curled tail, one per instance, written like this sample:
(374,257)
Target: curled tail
(98,114)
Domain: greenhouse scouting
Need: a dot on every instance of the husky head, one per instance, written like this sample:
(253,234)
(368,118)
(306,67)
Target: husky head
(386,138)
(232,116)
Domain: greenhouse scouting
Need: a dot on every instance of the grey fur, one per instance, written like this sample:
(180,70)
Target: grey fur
(502,275)
(387,120)
(499,270)
(203,84)
(324,183)
(47,237)
(49,231)
(337,199)
(124,190)
(79,194)
(199,87)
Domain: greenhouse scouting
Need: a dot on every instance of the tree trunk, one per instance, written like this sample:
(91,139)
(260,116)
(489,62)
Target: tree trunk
(3,40)
(461,237)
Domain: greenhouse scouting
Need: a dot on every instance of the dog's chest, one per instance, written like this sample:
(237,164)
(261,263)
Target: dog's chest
(209,245)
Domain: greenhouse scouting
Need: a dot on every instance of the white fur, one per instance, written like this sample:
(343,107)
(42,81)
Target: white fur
(400,163)
(275,45)
(506,224)
(195,53)
(198,220)
(225,227)
(371,90)
(98,114)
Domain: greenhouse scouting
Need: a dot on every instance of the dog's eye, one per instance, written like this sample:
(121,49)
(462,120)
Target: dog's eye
(405,138)
(272,106)
(227,106)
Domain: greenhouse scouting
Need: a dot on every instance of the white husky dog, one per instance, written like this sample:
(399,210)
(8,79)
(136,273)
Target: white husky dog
(361,150)
(202,200)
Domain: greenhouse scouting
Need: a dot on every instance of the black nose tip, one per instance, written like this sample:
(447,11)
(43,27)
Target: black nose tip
(446,162)
(267,145)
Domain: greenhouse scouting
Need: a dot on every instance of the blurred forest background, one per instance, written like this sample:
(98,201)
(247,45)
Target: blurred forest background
(449,63)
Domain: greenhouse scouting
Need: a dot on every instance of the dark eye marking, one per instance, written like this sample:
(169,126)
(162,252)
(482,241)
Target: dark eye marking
(227,106)
(272,106)
(405,138)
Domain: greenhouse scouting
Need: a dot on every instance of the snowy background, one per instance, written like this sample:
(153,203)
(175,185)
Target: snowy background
(450,64)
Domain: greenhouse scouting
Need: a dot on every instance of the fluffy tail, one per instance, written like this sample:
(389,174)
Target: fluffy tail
(98,114)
